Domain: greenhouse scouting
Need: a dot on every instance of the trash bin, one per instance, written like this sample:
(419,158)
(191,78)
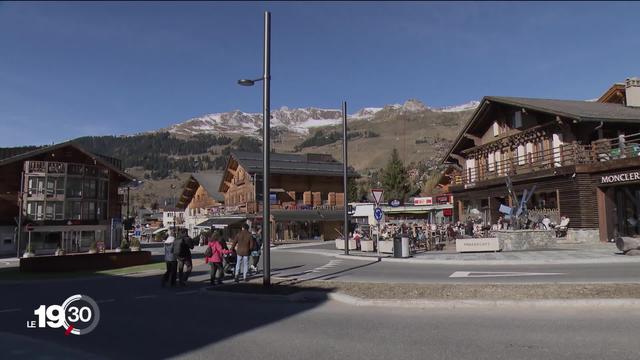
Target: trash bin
(397,247)
(405,247)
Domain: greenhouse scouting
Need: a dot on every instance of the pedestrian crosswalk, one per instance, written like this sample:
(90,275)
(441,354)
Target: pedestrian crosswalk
(315,273)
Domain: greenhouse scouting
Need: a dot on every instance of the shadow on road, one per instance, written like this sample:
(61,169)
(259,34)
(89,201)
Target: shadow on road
(143,321)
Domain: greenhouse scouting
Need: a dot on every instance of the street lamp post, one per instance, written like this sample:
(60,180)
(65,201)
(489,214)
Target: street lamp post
(345,179)
(266,116)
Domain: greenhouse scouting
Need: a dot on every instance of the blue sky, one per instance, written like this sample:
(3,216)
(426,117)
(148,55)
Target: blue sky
(73,69)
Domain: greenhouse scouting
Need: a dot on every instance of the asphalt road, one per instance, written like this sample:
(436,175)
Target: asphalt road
(143,321)
(203,325)
(319,267)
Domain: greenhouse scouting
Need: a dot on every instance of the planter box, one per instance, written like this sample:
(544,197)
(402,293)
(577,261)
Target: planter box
(386,246)
(340,244)
(84,262)
(367,245)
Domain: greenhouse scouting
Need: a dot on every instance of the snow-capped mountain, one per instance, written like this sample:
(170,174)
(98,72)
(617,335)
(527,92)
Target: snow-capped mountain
(295,120)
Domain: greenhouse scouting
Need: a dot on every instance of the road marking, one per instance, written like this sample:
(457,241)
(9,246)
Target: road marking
(483,274)
(105,301)
(9,310)
(331,264)
(145,297)
(187,292)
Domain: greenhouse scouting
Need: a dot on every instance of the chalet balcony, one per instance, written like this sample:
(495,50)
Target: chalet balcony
(599,151)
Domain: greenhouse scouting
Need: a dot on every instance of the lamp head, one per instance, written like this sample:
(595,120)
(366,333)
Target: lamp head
(246,82)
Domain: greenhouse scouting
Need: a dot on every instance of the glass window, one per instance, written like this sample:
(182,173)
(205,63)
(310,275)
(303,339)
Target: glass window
(103,189)
(36,185)
(89,188)
(89,210)
(101,213)
(55,185)
(74,187)
(35,210)
(72,210)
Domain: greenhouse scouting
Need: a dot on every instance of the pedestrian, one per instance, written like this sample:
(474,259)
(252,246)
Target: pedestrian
(182,250)
(255,253)
(214,255)
(170,261)
(242,243)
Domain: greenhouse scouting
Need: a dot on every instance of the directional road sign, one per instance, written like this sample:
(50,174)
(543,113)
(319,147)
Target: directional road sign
(377,213)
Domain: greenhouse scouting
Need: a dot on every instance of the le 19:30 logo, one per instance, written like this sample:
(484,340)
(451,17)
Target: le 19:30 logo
(78,315)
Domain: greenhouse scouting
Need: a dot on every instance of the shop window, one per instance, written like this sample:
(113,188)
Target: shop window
(103,189)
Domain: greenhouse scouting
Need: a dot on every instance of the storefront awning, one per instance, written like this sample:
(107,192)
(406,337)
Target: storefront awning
(415,209)
(221,222)
(307,215)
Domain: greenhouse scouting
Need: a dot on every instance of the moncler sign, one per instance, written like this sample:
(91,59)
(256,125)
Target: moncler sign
(624,177)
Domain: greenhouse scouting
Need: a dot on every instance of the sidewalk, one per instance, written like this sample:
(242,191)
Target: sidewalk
(571,254)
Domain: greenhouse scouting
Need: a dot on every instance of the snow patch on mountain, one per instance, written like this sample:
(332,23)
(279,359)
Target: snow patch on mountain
(471,105)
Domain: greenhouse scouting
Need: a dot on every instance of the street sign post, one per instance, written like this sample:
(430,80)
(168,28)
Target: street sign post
(377,214)
(377,196)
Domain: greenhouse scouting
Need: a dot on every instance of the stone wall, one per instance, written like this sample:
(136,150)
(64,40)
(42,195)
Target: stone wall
(511,240)
(581,236)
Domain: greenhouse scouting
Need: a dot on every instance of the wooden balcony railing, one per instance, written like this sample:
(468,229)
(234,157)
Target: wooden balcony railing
(567,154)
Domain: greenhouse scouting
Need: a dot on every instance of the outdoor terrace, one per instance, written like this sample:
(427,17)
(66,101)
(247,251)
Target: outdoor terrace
(599,151)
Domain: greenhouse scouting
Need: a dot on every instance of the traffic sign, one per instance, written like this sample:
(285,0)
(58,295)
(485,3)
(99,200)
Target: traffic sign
(394,203)
(377,213)
(29,227)
(377,195)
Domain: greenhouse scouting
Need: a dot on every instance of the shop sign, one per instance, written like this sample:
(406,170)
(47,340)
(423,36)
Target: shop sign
(447,212)
(423,201)
(624,177)
(442,199)
(394,203)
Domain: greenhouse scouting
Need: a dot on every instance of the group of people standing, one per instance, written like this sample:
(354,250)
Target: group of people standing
(245,248)
(177,256)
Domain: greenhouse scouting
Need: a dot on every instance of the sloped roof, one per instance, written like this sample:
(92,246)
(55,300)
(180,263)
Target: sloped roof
(578,110)
(575,109)
(20,155)
(209,181)
(293,164)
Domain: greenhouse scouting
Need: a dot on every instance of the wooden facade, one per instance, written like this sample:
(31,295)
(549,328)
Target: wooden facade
(561,147)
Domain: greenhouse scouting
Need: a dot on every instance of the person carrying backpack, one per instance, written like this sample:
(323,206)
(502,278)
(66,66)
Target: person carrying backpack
(182,250)
(213,256)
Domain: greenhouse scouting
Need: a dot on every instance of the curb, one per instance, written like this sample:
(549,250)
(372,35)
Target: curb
(621,260)
(458,304)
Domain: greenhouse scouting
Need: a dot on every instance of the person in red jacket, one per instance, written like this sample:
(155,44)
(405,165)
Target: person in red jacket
(215,260)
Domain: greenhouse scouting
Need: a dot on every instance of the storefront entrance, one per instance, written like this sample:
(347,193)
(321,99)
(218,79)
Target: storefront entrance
(627,210)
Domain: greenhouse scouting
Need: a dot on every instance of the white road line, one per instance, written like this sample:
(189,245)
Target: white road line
(484,274)
(105,301)
(145,297)
(187,292)
(9,310)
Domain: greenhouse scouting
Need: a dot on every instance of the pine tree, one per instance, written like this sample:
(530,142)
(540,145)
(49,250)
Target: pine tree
(394,178)
(352,187)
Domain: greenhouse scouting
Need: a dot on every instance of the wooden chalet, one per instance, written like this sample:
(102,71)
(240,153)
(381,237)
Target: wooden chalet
(583,157)
(306,194)
(67,195)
